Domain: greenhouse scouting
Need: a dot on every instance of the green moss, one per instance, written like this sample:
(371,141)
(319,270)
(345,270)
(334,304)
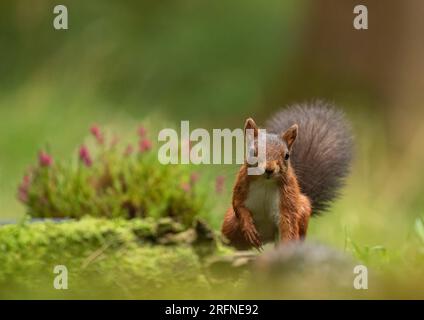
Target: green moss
(104,258)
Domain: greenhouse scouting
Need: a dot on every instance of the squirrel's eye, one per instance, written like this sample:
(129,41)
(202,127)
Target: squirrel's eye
(286,156)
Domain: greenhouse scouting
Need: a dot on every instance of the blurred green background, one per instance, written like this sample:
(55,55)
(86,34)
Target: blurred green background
(207,62)
(215,63)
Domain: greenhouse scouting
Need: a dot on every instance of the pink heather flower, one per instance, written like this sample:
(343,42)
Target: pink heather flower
(128,150)
(24,188)
(186,186)
(219,184)
(84,155)
(142,131)
(145,145)
(96,132)
(194,177)
(44,159)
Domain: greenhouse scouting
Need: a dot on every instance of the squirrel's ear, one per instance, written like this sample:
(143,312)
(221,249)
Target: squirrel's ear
(250,124)
(289,136)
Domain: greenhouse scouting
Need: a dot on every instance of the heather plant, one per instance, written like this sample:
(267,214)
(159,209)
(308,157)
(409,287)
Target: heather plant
(108,178)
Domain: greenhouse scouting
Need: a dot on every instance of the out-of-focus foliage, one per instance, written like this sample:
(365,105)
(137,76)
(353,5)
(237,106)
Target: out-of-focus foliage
(182,56)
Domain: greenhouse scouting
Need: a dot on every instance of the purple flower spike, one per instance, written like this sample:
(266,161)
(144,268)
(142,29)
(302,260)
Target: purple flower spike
(145,145)
(44,159)
(194,177)
(97,133)
(84,155)
(142,132)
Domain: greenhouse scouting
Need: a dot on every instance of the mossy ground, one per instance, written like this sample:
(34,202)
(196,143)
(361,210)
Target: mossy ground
(147,259)
(104,258)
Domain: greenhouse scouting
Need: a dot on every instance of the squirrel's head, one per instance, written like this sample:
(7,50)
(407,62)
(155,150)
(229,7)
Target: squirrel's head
(278,148)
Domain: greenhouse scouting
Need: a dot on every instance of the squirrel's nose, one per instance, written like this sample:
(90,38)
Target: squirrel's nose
(269,171)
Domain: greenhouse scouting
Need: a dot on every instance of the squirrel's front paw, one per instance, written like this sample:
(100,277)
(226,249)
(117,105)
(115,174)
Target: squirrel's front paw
(253,237)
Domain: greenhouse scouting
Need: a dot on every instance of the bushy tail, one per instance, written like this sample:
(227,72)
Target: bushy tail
(322,153)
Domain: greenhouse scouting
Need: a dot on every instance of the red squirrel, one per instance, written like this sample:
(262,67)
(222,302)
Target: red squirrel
(308,155)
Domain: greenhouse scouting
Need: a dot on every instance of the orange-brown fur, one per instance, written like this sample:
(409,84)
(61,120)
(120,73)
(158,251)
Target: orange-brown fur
(294,207)
(295,210)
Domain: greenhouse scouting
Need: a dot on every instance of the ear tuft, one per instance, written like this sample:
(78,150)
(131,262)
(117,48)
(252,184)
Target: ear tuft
(289,136)
(250,124)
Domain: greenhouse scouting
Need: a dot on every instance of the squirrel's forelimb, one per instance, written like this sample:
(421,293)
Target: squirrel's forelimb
(234,230)
(286,221)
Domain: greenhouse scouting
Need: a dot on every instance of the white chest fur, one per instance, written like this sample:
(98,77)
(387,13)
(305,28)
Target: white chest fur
(263,201)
